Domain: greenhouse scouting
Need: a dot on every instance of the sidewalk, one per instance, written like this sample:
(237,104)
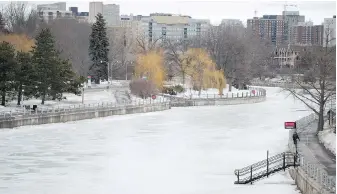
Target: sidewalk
(310,147)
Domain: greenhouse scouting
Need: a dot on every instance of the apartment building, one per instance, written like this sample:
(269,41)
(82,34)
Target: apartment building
(270,27)
(83,17)
(305,33)
(111,14)
(329,34)
(162,26)
(291,18)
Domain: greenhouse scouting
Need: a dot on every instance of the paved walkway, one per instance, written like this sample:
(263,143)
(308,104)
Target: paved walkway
(315,150)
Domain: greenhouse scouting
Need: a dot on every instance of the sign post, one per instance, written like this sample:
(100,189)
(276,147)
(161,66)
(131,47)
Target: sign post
(89,81)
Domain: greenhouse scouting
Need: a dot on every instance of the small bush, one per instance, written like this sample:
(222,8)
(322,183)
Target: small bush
(178,88)
(168,90)
(142,88)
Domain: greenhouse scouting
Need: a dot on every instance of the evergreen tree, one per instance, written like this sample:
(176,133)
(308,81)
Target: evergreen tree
(98,49)
(24,75)
(7,70)
(52,74)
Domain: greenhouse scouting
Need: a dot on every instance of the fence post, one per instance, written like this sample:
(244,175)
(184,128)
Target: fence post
(238,176)
(232,95)
(242,94)
(295,160)
(251,175)
(284,161)
(227,95)
(237,95)
(267,163)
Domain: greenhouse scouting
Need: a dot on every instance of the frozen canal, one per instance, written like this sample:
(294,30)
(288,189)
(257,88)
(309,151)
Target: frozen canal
(180,151)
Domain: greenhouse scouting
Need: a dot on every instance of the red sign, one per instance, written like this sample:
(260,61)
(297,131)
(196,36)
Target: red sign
(290,125)
(89,76)
(154,97)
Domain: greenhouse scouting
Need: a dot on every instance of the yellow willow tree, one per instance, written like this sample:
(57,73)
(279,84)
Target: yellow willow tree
(20,42)
(202,70)
(151,66)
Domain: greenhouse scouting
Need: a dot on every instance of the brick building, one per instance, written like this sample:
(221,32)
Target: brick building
(269,27)
(305,33)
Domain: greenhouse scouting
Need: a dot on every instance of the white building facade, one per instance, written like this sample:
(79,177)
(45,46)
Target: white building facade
(329,28)
(173,27)
(94,9)
(54,11)
(60,6)
(111,14)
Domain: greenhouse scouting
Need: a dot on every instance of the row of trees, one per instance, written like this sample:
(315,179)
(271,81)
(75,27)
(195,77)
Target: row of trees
(34,68)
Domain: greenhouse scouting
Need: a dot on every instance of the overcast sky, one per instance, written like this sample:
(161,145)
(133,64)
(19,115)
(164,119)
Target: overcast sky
(217,10)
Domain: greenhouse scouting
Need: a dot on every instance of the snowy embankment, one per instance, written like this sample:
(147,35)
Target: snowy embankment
(213,93)
(328,138)
(90,97)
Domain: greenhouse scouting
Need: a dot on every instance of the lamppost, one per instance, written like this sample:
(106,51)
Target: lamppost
(108,64)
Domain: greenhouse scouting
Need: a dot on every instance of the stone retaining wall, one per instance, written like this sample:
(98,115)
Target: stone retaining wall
(60,117)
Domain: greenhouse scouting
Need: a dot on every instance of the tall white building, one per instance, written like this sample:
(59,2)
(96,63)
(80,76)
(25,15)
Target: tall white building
(60,6)
(94,9)
(53,11)
(329,27)
(111,14)
(174,27)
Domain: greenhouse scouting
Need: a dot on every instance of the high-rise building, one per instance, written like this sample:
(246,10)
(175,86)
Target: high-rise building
(329,34)
(111,14)
(60,6)
(74,10)
(162,26)
(270,27)
(94,9)
(305,33)
(291,18)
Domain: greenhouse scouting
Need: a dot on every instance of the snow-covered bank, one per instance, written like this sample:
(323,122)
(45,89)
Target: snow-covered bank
(328,138)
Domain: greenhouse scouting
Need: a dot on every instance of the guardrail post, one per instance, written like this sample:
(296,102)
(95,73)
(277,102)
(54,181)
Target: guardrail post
(251,175)
(284,161)
(267,163)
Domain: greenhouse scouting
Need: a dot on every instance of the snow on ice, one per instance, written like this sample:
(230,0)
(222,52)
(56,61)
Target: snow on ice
(179,151)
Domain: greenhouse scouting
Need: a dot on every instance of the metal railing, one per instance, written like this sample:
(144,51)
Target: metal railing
(309,163)
(253,92)
(77,108)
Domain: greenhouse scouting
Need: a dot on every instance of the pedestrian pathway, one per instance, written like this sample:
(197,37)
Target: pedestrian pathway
(310,147)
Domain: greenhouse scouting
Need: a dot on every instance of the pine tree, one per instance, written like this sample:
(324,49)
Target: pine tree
(7,70)
(23,75)
(98,49)
(52,74)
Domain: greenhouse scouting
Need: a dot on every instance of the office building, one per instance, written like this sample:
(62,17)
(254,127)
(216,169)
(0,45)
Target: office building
(269,27)
(94,9)
(162,26)
(83,17)
(111,14)
(60,6)
(329,34)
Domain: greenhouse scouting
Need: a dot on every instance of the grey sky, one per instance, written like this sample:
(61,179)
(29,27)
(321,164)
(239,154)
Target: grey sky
(216,10)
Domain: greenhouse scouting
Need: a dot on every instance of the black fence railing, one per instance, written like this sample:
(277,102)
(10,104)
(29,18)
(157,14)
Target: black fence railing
(266,167)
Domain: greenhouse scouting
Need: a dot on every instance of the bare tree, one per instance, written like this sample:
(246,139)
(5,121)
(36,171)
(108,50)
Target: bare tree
(72,40)
(144,44)
(319,82)
(176,62)
(122,52)
(20,19)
